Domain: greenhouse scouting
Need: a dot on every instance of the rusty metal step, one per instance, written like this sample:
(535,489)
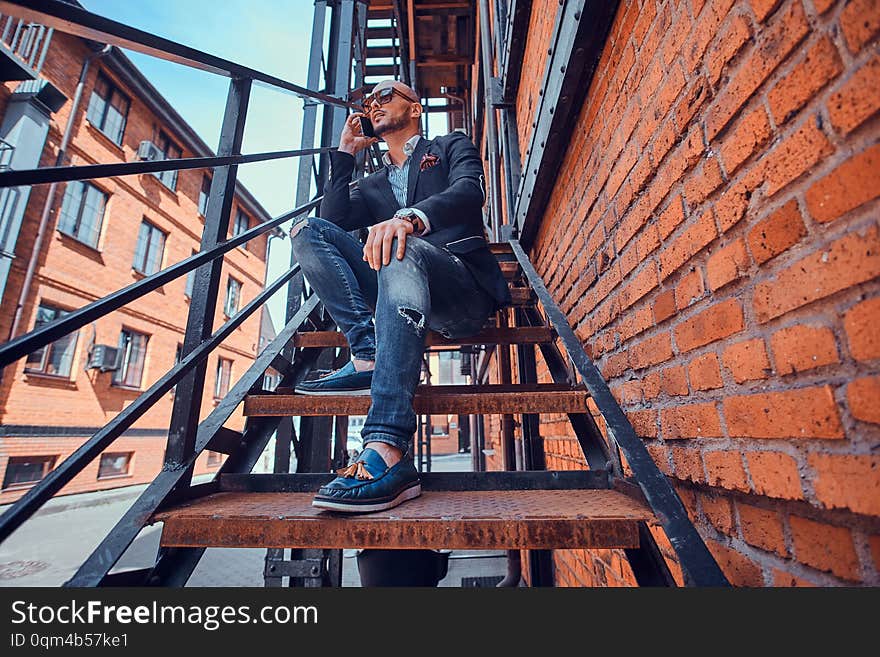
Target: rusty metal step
(380,33)
(510,269)
(467,400)
(377,70)
(489,335)
(458,520)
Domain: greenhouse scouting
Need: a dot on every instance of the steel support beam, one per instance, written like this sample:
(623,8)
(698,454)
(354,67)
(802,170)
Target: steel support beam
(575,47)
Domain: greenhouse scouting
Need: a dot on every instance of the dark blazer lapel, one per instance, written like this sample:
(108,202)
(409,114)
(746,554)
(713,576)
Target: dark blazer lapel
(415,161)
(383,188)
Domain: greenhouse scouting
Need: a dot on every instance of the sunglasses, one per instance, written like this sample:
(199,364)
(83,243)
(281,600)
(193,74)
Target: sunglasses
(383,97)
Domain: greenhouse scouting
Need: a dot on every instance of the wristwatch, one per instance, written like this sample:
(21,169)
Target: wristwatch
(412,217)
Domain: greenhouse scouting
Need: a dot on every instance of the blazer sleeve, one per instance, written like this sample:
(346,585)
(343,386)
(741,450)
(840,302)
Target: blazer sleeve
(465,188)
(340,206)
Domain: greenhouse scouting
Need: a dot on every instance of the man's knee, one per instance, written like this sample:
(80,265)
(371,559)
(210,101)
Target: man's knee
(312,224)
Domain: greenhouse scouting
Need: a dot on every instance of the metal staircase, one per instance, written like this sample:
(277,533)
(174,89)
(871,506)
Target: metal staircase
(621,501)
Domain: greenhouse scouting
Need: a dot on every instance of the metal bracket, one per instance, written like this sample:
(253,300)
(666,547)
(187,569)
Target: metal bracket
(496,91)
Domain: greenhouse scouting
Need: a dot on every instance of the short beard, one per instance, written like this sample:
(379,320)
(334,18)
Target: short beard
(393,126)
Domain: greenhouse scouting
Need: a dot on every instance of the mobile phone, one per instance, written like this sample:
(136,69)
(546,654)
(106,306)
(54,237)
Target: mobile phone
(367,126)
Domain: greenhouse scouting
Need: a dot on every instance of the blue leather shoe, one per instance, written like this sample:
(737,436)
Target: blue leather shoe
(344,381)
(369,484)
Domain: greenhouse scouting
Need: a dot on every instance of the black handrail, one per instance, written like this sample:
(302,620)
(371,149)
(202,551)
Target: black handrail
(697,564)
(75,20)
(16,178)
(25,506)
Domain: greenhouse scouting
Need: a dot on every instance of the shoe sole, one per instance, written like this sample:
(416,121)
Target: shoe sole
(362,391)
(410,493)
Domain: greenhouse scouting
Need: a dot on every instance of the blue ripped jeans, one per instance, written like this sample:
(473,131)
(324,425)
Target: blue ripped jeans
(429,288)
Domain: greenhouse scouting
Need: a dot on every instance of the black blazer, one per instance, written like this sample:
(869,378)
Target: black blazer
(451,193)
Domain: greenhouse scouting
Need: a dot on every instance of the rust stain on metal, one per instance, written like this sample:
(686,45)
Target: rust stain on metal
(453,520)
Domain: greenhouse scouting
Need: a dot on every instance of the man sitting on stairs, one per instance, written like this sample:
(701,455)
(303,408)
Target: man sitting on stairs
(426,265)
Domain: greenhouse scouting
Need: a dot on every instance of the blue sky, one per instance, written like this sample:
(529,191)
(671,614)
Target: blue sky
(271,36)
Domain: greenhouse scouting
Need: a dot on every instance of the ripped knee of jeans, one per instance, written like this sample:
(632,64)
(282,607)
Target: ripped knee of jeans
(298,226)
(414,317)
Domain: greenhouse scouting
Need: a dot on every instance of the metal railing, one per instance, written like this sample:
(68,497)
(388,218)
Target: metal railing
(28,41)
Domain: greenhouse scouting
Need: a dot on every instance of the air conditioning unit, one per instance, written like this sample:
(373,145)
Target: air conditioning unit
(149,152)
(103,357)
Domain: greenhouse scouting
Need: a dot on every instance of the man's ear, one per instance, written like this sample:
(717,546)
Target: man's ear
(416,111)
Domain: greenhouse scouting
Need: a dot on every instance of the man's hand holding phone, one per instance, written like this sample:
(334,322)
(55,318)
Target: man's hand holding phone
(353,140)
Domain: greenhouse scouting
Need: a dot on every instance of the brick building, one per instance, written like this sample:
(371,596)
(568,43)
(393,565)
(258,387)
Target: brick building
(719,190)
(101,236)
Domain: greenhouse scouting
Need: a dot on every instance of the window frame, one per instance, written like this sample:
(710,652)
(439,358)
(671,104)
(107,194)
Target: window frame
(119,475)
(220,381)
(153,229)
(74,233)
(47,459)
(235,226)
(206,194)
(229,280)
(166,144)
(101,124)
(48,349)
(121,374)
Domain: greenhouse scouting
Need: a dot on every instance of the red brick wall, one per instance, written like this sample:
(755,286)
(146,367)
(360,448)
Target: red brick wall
(720,193)
(71,275)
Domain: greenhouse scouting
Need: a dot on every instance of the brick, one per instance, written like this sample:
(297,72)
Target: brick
(635,322)
(773,235)
(857,100)
(874,542)
(691,421)
(688,464)
(863,398)
(802,413)
(860,22)
(763,8)
(651,351)
(661,458)
(825,547)
(639,286)
(664,306)
(862,336)
(691,102)
(651,385)
(784,579)
(689,289)
(732,204)
(850,260)
(704,372)
(697,236)
(747,361)
(725,469)
(738,568)
(847,482)
(852,184)
(714,323)
(705,180)
(644,422)
(794,156)
(745,137)
(615,365)
(775,475)
(718,509)
(705,29)
(775,43)
(670,218)
(817,68)
(727,265)
(727,45)
(800,348)
(673,381)
(762,528)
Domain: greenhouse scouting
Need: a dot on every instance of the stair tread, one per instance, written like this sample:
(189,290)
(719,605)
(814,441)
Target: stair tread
(536,519)
(488,335)
(487,399)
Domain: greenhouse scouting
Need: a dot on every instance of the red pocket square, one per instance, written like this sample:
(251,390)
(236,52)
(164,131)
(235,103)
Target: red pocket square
(428,160)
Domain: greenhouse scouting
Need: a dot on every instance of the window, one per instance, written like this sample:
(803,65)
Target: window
(224,373)
(148,252)
(82,212)
(190,280)
(24,471)
(214,459)
(204,192)
(233,297)
(114,464)
(170,151)
(108,109)
(132,355)
(55,359)
(242,223)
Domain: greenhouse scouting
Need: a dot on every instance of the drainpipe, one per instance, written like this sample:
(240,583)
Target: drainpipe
(50,197)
